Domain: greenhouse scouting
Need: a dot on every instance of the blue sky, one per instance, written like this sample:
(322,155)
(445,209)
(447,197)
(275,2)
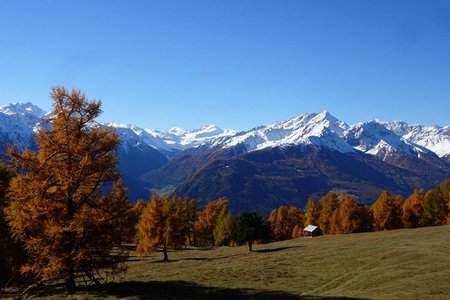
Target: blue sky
(237,64)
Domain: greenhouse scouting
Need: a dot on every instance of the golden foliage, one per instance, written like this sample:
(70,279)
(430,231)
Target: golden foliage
(297,231)
(312,212)
(413,210)
(57,206)
(328,205)
(162,224)
(350,216)
(283,220)
(387,212)
(207,221)
(223,229)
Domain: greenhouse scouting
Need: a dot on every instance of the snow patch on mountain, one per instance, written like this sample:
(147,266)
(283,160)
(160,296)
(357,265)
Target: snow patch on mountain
(175,138)
(18,124)
(374,138)
(23,109)
(434,138)
(204,135)
(320,129)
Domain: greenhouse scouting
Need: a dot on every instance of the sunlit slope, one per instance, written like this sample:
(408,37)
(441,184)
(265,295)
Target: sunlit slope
(403,264)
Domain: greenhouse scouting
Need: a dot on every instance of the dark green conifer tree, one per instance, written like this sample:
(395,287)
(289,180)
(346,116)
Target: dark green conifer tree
(250,227)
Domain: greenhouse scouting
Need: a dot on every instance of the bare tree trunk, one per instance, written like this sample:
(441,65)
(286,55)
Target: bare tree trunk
(70,276)
(165,254)
(70,280)
(250,248)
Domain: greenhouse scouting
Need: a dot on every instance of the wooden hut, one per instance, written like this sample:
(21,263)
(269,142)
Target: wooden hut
(311,230)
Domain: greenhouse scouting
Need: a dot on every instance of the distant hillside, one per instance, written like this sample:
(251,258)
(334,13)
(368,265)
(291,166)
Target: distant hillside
(265,179)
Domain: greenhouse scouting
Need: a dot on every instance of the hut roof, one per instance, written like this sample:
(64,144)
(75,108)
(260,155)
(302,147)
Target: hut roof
(310,228)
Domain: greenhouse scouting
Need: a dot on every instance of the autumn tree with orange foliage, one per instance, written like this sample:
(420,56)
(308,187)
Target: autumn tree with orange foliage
(283,220)
(413,210)
(312,212)
(328,204)
(224,228)
(387,212)
(350,216)
(207,221)
(58,207)
(162,224)
(134,215)
(122,212)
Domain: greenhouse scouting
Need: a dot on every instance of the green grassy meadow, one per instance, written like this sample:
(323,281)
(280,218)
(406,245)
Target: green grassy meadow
(399,264)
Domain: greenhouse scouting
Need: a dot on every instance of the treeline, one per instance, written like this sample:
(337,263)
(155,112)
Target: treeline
(342,213)
(173,222)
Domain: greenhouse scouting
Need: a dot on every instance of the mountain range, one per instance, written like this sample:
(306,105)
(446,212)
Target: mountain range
(264,167)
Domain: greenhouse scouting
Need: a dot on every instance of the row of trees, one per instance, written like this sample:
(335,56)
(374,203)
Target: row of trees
(342,213)
(172,222)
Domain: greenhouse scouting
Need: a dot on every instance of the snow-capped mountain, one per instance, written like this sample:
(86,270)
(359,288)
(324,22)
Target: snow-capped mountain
(18,124)
(374,138)
(321,129)
(173,140)
(434,138)
(310,153)
(184,139)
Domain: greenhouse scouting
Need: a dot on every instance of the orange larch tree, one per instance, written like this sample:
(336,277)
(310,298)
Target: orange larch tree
(58,207)
(387,212)
(122,212)
(283,220)
(162,224)
(312,212)
(413,210)
(207,221)
(224,228)
(134,216)
(328,204)
(350,216)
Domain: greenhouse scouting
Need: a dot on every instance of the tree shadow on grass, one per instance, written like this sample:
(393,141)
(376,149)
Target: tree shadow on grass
(190,290)
(177,260)
(267,250)
(276,249)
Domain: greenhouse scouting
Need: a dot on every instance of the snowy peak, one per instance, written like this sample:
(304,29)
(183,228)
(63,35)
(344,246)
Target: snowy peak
(319,129)
(18,123)
(22,109)
(174,139)
(432,137)
(205,135)
(374,138)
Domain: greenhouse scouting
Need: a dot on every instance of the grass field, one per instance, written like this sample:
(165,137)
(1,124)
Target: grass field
(400,264)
